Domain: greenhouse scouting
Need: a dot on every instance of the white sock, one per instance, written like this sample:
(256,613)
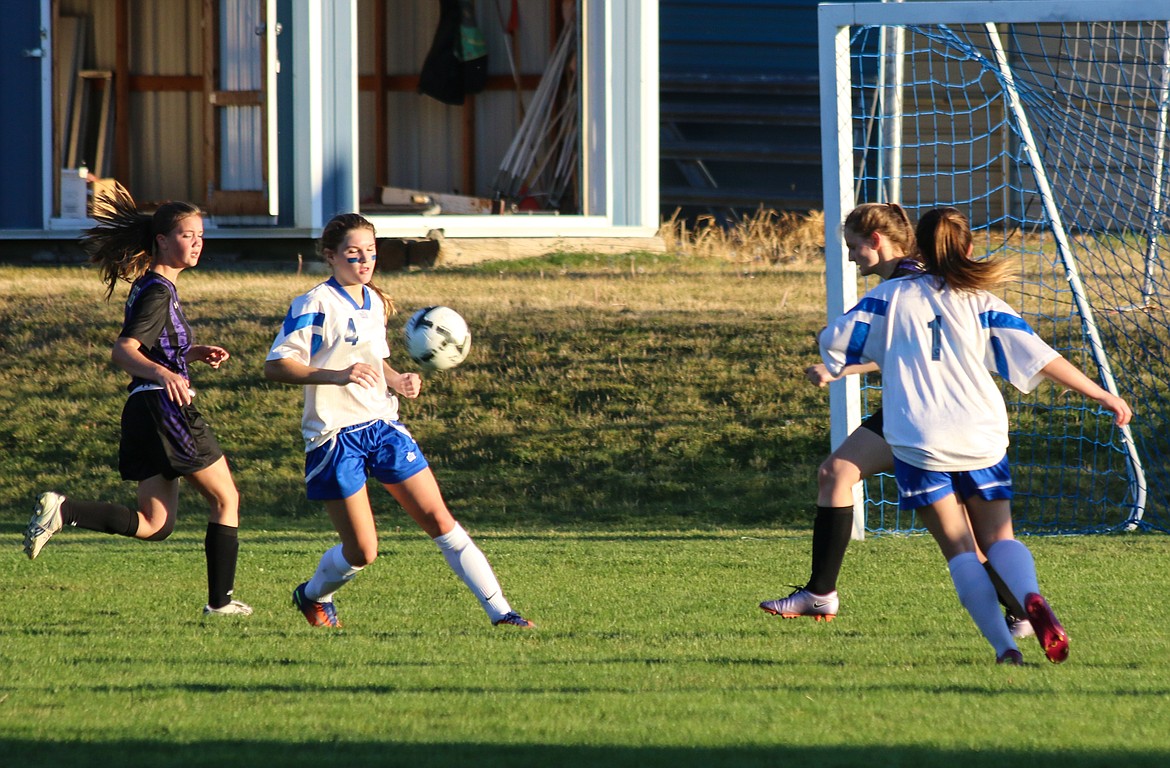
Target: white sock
(469,564)
(977,594)
(1012,560)
(332,573)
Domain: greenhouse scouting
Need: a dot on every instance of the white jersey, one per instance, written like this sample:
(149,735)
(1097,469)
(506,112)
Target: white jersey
(325,328)
(937,348)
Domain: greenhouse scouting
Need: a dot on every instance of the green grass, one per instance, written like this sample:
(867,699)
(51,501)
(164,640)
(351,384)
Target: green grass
(649,651)
(632,444)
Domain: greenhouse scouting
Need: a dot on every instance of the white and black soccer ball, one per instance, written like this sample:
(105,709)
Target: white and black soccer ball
(437,338)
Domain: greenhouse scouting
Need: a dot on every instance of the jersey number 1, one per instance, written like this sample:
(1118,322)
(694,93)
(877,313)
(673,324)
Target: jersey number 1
(935,326)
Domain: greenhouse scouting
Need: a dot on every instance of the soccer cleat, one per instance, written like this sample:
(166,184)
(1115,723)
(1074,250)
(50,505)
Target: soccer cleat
(803,603)
(234,608)
(45,521)
(1053,639)
(515,619)
(317,614)
(1020,628)
(1011,657)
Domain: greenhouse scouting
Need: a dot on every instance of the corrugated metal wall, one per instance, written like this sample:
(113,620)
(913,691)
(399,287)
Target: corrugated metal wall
(739,107)
(166,128)
(740,37)
(426,136)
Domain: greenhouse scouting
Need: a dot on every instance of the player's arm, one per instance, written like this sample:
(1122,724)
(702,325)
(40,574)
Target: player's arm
(819,375)
(127,354)
(207,353)
(405,384)
(287,370)
(1069,376)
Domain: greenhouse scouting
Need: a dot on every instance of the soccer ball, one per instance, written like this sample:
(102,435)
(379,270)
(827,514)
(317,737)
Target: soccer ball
(437,338)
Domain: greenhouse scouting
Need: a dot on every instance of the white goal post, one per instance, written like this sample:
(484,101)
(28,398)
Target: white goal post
(1046,123)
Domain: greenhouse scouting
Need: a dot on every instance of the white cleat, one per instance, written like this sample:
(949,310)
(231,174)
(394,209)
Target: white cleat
(804,603)
(1020,628)
(45,521)
(234,608)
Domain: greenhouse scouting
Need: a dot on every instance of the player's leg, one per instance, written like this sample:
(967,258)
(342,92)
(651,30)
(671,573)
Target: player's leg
(54,510)
(947,522)
(863,454)
(353,519)
(420,497)
(335,474)
(141,458)
(1013,561)
(221,544)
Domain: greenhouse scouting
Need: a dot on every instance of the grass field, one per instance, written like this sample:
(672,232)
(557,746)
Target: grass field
(632,446)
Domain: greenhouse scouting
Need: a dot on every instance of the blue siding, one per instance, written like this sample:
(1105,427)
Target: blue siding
(741,38)
(20,91)
(739,107)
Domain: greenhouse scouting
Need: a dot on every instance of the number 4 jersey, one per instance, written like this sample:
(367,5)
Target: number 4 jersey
(937,348)
(325,328)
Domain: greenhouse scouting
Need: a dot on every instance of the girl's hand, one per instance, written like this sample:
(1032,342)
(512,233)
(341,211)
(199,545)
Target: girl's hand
(406,384)
(177,387)
(818,374)
(1121,410)
(362,374)
(209,354)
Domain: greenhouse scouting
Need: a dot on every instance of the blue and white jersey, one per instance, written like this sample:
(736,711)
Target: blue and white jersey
(326,328)
(937,348)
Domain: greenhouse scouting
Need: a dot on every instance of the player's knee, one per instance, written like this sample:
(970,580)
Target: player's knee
(164,530)
(365,555)
(837,473)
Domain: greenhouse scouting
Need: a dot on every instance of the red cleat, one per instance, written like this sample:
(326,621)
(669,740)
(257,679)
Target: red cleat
(1053,639)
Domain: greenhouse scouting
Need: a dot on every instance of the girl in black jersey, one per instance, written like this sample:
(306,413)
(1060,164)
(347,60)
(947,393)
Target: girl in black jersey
(880,239)
(163,436)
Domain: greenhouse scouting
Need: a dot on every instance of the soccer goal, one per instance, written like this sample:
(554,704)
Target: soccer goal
(1046,123)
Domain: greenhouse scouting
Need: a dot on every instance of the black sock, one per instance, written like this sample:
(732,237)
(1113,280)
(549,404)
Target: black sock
(100,516)
(831,531)
(1004,594)
(222,547)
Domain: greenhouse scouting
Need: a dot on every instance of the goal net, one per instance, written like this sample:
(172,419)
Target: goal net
(1046,123)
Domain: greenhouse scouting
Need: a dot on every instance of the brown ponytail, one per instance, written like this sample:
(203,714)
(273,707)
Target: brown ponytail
(945,243)
(122,243)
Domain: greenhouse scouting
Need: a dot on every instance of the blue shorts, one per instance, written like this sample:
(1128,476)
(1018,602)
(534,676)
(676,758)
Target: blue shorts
(383,450)
(920,487)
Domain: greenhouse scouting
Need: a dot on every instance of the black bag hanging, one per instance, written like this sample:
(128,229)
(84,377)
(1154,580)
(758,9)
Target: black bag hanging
(456,64)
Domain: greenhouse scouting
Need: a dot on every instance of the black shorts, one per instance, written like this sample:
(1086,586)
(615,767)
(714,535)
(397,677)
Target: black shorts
(874,424)
(162,438)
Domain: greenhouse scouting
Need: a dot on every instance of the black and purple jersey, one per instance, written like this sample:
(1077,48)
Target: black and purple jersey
(908,267)
(155,319)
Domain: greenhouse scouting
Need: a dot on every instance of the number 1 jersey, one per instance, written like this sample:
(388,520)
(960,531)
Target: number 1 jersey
(937,348)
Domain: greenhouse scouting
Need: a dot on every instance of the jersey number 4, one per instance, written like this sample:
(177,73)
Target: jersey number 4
(351,334)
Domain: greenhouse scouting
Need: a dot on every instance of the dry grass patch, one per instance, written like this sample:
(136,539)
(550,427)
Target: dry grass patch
(767,236)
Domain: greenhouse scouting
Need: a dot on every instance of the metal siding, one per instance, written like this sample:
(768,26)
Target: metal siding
(166,159)
(747,38)
(21,151)
(426,136)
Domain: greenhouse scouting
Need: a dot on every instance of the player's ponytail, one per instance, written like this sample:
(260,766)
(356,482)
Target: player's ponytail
(945,244)
(122,243)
